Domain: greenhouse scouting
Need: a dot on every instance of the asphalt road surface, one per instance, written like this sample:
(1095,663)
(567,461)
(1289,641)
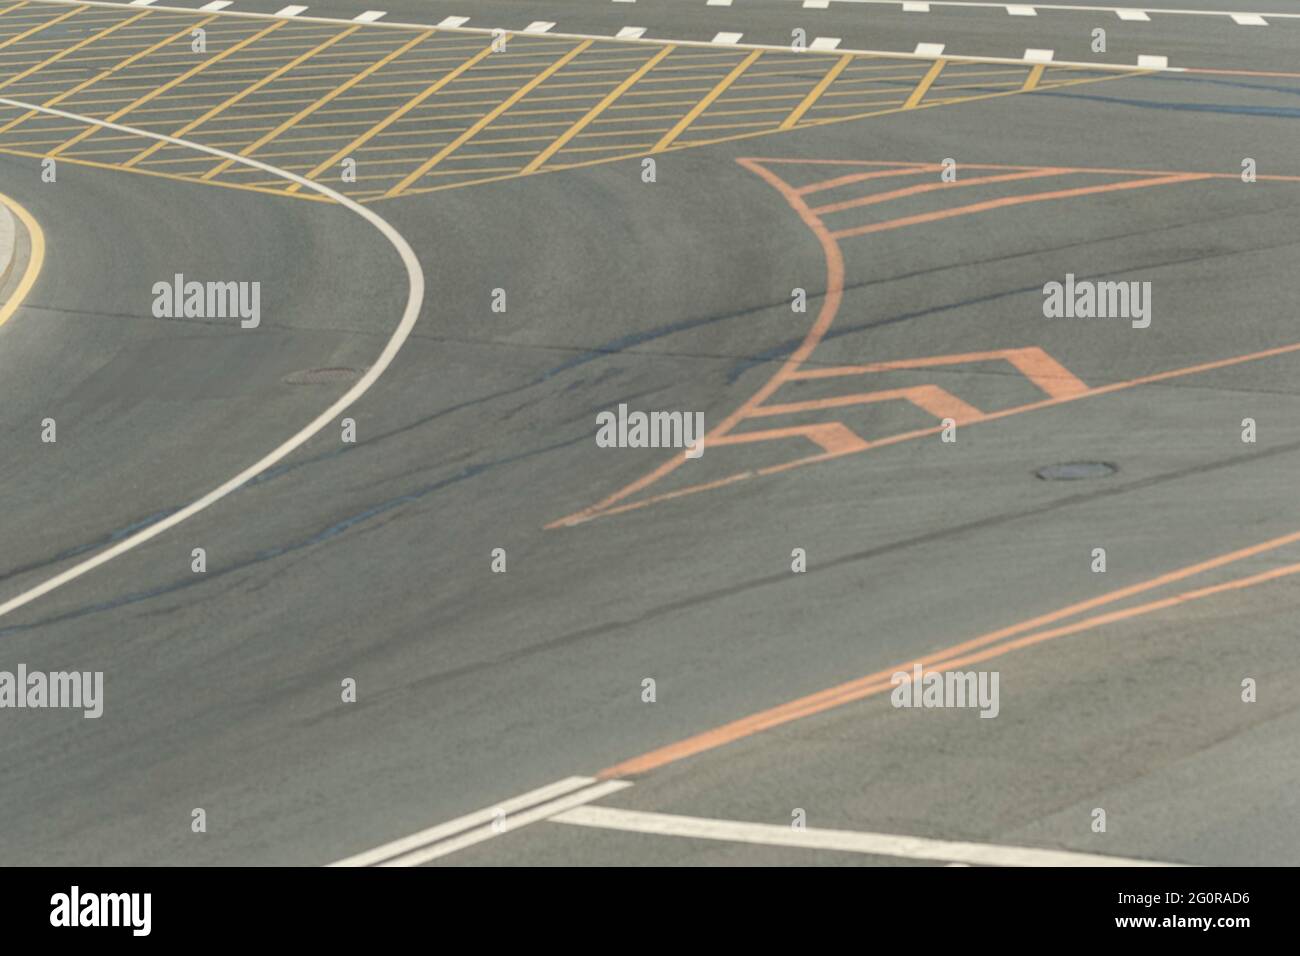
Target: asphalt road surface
(433,620)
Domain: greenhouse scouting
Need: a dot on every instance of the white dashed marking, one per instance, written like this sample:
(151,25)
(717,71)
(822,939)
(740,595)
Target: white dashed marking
(1248,20)
(291,11)
(1018,10)
(916,7)
(1039,56)
(929,49)
(1139,15)
(718,3)
(1153,62)
(816,4)
(141,3)
(728,38)
(215,5)
(630,33)
(453,21)
(370,16)
(539,26)
(824,43)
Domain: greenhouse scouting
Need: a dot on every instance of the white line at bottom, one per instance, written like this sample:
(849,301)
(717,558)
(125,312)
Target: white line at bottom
(850,841)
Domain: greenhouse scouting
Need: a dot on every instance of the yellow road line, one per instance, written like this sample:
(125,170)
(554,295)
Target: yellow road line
(35,259)
(159,91)
(42,26)
(704,103)
(183,31)
(318,103)
(501,107)
(74,48)
(924,86)
(815,93)
(1031,81)
(245,92)
(596,110)
(15,6)
(398,113)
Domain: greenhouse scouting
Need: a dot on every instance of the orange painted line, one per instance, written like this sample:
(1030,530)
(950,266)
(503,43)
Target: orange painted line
(920,188)
(835,437)
(1007,201)
(881,681)
(931,398)
(1032,362)
(846,180)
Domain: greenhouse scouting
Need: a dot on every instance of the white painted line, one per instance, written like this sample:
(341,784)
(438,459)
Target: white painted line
(290,11)
(1153,62)
(849,841)
(141,3)
(728,38)
(216,5)
(1248,20)
(625,1)
(453,21)
(915,6)
(824,43)
(370,16)
(509,823)
(718,3)
(1019,10)
(929,49)
(816,4)
(1039,56)
(488,814)
(1139,15)
(539,26)
(630,33)
(327,418)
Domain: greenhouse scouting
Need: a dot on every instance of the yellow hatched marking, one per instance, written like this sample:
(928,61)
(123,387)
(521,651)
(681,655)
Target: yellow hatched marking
(510,101)
(924,86)
(247,91)
(703,104)
(73,49)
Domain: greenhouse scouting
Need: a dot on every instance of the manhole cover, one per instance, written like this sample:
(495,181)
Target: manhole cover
(1075,470)
(321,376)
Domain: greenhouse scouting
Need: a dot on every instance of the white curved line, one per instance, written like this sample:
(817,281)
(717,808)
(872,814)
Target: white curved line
(415,276)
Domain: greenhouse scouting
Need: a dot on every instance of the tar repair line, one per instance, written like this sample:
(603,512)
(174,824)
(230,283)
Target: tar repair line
(847,841)
(415,296)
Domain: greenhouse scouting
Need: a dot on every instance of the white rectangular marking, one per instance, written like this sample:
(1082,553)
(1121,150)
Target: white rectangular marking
(215,5)
(290,11)
(625,1)
(1248,20)
(1139,15)
(915,6)
(1020,10)
(453,21)
(816,4)
(1039,56)
(718,3)
(630,33)
(141,3)
(452,827)
(370,16)
(509,823)
(824,43)
(850,841)
(728,38)
(539,26)
(1153,62)
(929,49)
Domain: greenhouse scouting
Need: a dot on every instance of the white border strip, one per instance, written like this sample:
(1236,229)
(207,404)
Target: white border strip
(849,841)
(509,824)
(778,48)
(414,298)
